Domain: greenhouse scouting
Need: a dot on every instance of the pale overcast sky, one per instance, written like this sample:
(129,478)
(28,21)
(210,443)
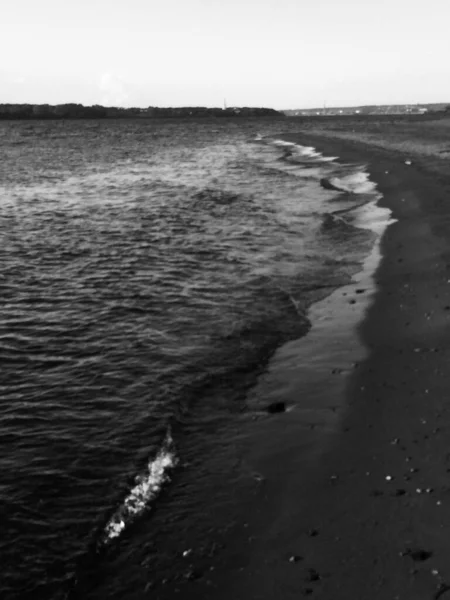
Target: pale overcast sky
(278,53)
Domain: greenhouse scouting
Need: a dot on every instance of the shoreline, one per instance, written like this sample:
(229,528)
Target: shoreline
(301,373)
(350,523)
(316,423)
(334,315)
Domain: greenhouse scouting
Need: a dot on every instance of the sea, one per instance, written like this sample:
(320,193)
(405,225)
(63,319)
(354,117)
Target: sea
(149,270)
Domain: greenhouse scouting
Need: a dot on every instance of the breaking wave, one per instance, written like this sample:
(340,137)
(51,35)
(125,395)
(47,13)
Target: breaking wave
(296,153)
(354,182)
(353,179)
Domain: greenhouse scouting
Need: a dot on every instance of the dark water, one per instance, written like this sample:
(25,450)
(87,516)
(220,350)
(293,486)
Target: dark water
(148,271)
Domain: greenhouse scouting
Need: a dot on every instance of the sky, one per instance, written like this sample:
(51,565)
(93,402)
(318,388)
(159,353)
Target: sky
(275,53)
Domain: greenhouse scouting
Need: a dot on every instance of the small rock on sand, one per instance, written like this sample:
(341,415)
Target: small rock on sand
(192,575)
(418,554)
(295,558)
(276,407)
(312,575)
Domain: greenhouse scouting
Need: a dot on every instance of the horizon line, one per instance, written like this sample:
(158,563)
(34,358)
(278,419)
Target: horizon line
(218,107)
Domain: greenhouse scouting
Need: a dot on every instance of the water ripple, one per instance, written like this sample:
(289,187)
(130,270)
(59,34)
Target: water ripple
(140,265)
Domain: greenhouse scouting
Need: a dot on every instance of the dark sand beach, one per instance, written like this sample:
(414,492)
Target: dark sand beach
(354,493)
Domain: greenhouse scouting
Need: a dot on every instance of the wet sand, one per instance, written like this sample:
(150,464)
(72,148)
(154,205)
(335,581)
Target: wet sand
(353,494)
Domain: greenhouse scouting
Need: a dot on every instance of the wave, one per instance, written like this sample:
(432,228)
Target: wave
(353,179)
(297,153)
(148,486)
(309,154)
(355,182)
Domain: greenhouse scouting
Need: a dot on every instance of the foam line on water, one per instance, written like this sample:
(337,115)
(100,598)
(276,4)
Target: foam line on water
(350,178)
(301,154)
(148,486)
(356,182)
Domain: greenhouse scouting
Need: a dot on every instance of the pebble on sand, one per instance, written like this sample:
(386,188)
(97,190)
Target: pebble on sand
(313,532)
(312,575)
(276,407)
(295,558)
(192,575)
(417,554)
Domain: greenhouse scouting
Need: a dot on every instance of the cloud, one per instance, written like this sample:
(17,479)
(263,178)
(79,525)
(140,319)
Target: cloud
(114,90)
(19,80)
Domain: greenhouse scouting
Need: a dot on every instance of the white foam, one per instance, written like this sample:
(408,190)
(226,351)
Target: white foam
(312,153)
(374,217)
(306,153)
(357,182)
(350,178)
(146,489)
(282,143)
(328,158)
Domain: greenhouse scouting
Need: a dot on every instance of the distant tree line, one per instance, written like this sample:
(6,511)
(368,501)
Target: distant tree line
(78,111)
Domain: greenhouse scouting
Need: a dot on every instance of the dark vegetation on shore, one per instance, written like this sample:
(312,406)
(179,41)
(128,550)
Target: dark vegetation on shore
(78,111)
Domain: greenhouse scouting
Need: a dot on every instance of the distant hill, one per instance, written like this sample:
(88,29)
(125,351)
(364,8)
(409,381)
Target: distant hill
(382,109)
(78,111)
